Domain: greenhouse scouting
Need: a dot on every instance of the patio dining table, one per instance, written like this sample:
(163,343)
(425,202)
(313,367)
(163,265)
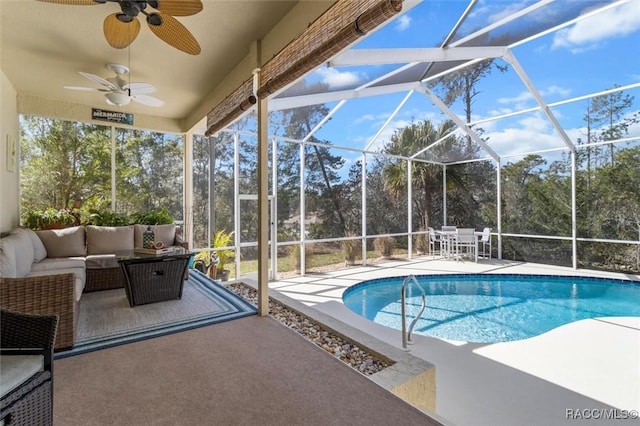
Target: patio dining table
(448,239)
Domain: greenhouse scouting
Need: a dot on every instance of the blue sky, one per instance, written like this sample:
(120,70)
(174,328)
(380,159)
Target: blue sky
(590,56)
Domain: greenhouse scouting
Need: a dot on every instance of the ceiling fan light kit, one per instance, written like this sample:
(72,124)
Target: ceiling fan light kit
(121,29)
(118,98)
(118,91)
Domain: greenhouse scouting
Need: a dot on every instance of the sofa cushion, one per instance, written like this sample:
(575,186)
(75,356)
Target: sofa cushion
(16,252)
(79,281)
(101,261)
(109,239)
(66,242)
(17,369)
(7,259)
(164,233)
(39,250)
(54,264)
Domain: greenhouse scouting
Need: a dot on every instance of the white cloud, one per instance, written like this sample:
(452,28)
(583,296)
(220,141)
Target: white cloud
(533,134)
(364,118)
(403,23)
(520,98)
(336,79)
(614,22)
(555,90)
(525,100)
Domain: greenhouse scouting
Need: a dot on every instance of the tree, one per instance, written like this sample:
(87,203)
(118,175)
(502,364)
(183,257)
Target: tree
(62,161)
(608,111)
(463,85)
(321,167)
(426,178)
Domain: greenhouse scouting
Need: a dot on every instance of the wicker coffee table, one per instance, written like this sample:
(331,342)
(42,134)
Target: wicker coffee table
(151,278)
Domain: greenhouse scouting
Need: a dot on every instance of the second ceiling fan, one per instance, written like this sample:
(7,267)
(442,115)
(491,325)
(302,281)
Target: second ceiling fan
(122,28)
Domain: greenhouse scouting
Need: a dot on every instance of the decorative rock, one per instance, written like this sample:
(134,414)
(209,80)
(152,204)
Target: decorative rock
(347,352)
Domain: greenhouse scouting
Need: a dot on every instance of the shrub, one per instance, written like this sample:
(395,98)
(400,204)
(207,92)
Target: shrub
(350,248)
(385,245)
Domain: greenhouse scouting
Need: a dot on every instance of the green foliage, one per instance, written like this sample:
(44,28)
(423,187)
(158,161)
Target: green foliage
(107,218)
(220,239)
(42,219)
(153,217)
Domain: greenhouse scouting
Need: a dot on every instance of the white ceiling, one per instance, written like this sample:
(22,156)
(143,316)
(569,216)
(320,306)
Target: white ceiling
(44,45)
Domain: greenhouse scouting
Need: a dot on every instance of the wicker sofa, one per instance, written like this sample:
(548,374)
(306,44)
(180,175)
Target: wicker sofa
(46,272)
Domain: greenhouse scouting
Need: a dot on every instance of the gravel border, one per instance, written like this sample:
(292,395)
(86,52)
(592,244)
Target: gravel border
(346,351)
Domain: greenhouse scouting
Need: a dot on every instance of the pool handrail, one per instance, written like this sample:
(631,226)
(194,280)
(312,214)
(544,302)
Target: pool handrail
(406,335)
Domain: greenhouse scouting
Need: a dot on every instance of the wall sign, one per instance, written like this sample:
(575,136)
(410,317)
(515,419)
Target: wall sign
(111,116)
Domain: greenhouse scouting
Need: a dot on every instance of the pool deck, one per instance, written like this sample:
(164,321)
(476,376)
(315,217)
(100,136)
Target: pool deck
(581,370)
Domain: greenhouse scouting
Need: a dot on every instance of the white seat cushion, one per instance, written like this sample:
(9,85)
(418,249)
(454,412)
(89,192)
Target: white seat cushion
(58,263)
(17,369)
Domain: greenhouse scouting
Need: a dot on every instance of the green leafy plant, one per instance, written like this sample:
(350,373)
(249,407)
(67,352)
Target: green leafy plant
(220,239)
(153,217)
(107,218)
(49,218)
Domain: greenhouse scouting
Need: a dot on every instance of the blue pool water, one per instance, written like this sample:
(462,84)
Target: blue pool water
(490,308)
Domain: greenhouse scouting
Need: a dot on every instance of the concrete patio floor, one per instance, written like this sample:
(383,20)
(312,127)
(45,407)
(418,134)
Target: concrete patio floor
(587,370)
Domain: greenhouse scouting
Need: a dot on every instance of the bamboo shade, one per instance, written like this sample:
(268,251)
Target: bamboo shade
(239,101)
(341,25)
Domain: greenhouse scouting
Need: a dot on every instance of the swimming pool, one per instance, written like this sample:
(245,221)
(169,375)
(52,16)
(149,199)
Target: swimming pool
(489,308)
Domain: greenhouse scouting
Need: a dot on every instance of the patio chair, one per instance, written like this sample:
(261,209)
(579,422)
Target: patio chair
(466,242)
(26,368)
(485,240)
(434,240)
(448,240)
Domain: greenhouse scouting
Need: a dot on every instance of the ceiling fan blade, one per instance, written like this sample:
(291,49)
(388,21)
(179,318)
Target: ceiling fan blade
(72,2)
(148,100)
(86,89)
(139,88)
(172,32)
(179,7)
(120,34)
(99,80)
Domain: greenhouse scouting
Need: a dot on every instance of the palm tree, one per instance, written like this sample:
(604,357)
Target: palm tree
(426,177)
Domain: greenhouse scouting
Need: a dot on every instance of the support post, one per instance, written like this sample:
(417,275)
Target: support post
(263,206)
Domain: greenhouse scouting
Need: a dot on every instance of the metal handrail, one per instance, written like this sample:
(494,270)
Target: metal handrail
(406,335)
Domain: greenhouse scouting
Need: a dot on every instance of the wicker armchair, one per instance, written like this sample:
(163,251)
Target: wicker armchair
(44,295)
(31,401)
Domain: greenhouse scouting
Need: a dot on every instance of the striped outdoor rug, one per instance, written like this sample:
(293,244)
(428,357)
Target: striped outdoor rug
(106,319)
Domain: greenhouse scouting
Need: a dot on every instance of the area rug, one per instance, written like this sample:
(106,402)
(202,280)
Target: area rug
(105,318)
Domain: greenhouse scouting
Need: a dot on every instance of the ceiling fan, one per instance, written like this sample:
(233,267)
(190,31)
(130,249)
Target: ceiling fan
(118,91)
(121,29)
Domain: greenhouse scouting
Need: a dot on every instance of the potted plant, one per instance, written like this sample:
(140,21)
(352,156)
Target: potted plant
(219,255)
(49,219)
(107,218)
(153,217)
(385,245)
